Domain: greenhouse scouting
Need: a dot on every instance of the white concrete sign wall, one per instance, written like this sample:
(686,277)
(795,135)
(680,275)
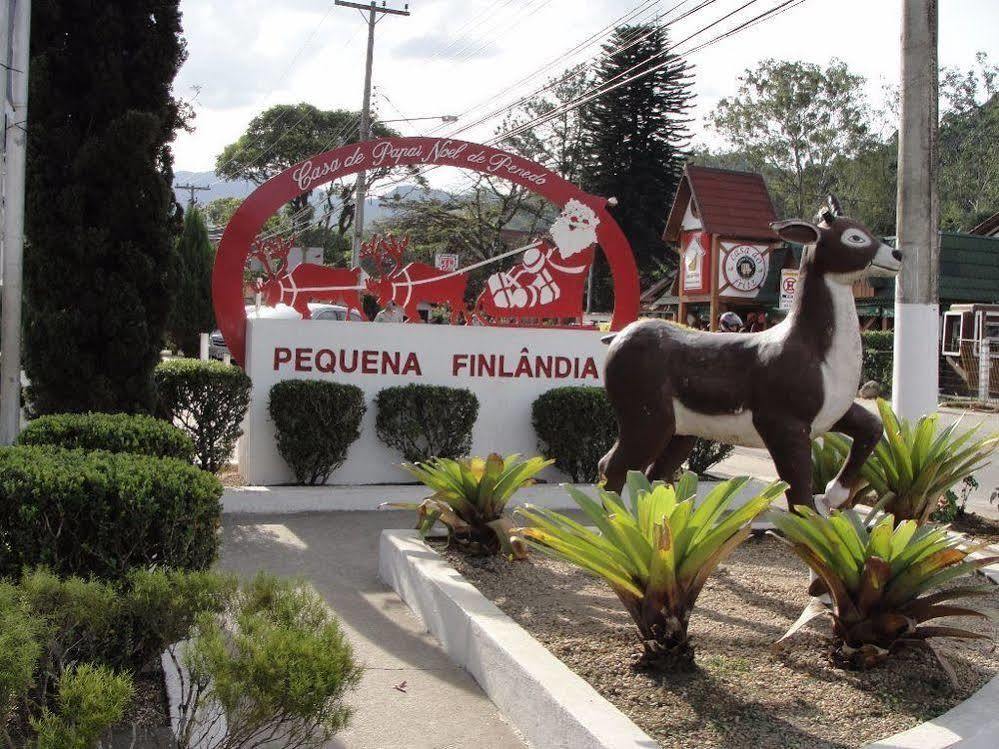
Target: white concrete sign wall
(506,368)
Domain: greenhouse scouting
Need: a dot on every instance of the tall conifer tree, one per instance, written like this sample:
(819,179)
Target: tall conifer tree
(635,141)
(192,312)
(100,210)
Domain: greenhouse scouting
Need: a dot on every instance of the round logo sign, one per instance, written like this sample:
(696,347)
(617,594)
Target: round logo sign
(745,267)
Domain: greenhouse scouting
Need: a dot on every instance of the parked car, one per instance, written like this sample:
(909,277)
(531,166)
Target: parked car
(335,312)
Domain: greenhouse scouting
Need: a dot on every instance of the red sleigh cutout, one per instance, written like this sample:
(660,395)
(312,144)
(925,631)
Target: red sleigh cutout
(550,280)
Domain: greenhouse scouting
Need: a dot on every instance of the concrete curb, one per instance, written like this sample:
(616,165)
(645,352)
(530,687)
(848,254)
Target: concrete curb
(177,677)
(548,703)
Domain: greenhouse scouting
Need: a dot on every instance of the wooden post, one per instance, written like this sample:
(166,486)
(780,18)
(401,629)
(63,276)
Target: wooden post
(715,260)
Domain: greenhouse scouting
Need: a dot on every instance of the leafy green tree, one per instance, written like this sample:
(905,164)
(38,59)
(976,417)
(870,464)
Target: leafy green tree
(192,312)
(968,175)
(794,121)
(218,212)
(635,137)
(285,134)
(101,215)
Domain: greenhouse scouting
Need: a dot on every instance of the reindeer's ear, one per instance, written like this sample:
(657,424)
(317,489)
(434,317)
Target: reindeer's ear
(796,230)
(833,205)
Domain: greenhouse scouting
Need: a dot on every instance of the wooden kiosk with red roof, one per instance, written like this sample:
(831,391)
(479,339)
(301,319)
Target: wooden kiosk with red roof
(720,224)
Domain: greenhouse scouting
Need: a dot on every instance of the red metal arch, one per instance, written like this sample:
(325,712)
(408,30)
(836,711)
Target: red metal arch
(249,219)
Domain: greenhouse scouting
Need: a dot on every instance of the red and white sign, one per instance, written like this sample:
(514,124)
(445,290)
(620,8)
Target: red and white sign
(788,288)
(540,290)
(446,261)
(507,369)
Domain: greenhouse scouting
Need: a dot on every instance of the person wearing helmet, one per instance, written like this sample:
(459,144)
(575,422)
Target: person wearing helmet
(730,323)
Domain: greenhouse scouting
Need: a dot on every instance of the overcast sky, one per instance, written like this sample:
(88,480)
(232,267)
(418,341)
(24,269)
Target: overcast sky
(452,55)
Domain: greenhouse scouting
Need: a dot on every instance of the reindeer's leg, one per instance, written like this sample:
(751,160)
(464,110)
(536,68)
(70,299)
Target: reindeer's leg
(643,433)
(671,458)
(865,429)
(790,447)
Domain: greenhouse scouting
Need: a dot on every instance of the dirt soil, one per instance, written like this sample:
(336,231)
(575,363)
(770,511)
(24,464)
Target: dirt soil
(978,526)
(745,692)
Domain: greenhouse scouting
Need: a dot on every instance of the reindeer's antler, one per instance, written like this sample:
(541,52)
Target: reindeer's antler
(271,249)
(378,249)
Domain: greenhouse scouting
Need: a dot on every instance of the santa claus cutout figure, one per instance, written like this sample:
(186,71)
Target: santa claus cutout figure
(549,281)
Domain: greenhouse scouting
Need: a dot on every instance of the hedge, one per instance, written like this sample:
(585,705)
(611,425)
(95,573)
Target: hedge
(100,513)
(576,427)
(208,400)
(878,358)
(117,433)
(426,421)
(316,423)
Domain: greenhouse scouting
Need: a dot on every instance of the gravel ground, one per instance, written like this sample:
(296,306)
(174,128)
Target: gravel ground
(745,692)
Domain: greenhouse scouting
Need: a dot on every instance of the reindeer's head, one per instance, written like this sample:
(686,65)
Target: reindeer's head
(273,256)
(840,248)
(380,288)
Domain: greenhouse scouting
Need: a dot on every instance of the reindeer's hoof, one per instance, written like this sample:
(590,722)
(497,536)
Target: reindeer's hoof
(836,495)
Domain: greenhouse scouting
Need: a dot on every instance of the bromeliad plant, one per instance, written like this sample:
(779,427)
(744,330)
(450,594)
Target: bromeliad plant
(914,465)
(881,582)
(655,554)
(469,499)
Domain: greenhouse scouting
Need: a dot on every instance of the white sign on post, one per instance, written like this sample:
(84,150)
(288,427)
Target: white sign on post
(788,285)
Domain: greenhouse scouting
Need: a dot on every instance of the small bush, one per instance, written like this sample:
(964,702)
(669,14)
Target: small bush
(316,423)
(707,453)
(90,700)
(69,646)
(878,357)
(208,400)
(576,427)
(116,433)
(102,513)
(426,421)
(277,664)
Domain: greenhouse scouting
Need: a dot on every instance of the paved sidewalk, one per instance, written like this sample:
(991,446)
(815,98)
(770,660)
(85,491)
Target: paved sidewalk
(337,552)
(756,461)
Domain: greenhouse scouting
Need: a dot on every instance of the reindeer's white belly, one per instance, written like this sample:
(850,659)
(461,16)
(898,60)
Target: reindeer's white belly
(733,429)
(841,368)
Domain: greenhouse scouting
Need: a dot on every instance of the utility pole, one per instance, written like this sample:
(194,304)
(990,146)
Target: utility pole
(15,138)
(917,313)
(192,188)
(374,13)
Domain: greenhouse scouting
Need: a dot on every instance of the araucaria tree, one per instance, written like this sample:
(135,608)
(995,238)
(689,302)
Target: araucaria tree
(192,312)
(100,210)
(636,135)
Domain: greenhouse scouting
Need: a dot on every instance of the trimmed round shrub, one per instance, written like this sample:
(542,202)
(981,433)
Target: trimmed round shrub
(316,423)
(426,421)
(208,400)
(116,433)
(100,513)
(575,426)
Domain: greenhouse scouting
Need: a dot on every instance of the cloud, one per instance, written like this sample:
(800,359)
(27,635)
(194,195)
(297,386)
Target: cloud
(444,47)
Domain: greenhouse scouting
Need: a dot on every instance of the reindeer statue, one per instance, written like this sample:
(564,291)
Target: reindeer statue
(307,282)
(776,389)
(409,285)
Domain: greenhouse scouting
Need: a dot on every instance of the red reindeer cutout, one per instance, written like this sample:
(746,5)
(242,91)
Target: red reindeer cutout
(414,283)
(308,282)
